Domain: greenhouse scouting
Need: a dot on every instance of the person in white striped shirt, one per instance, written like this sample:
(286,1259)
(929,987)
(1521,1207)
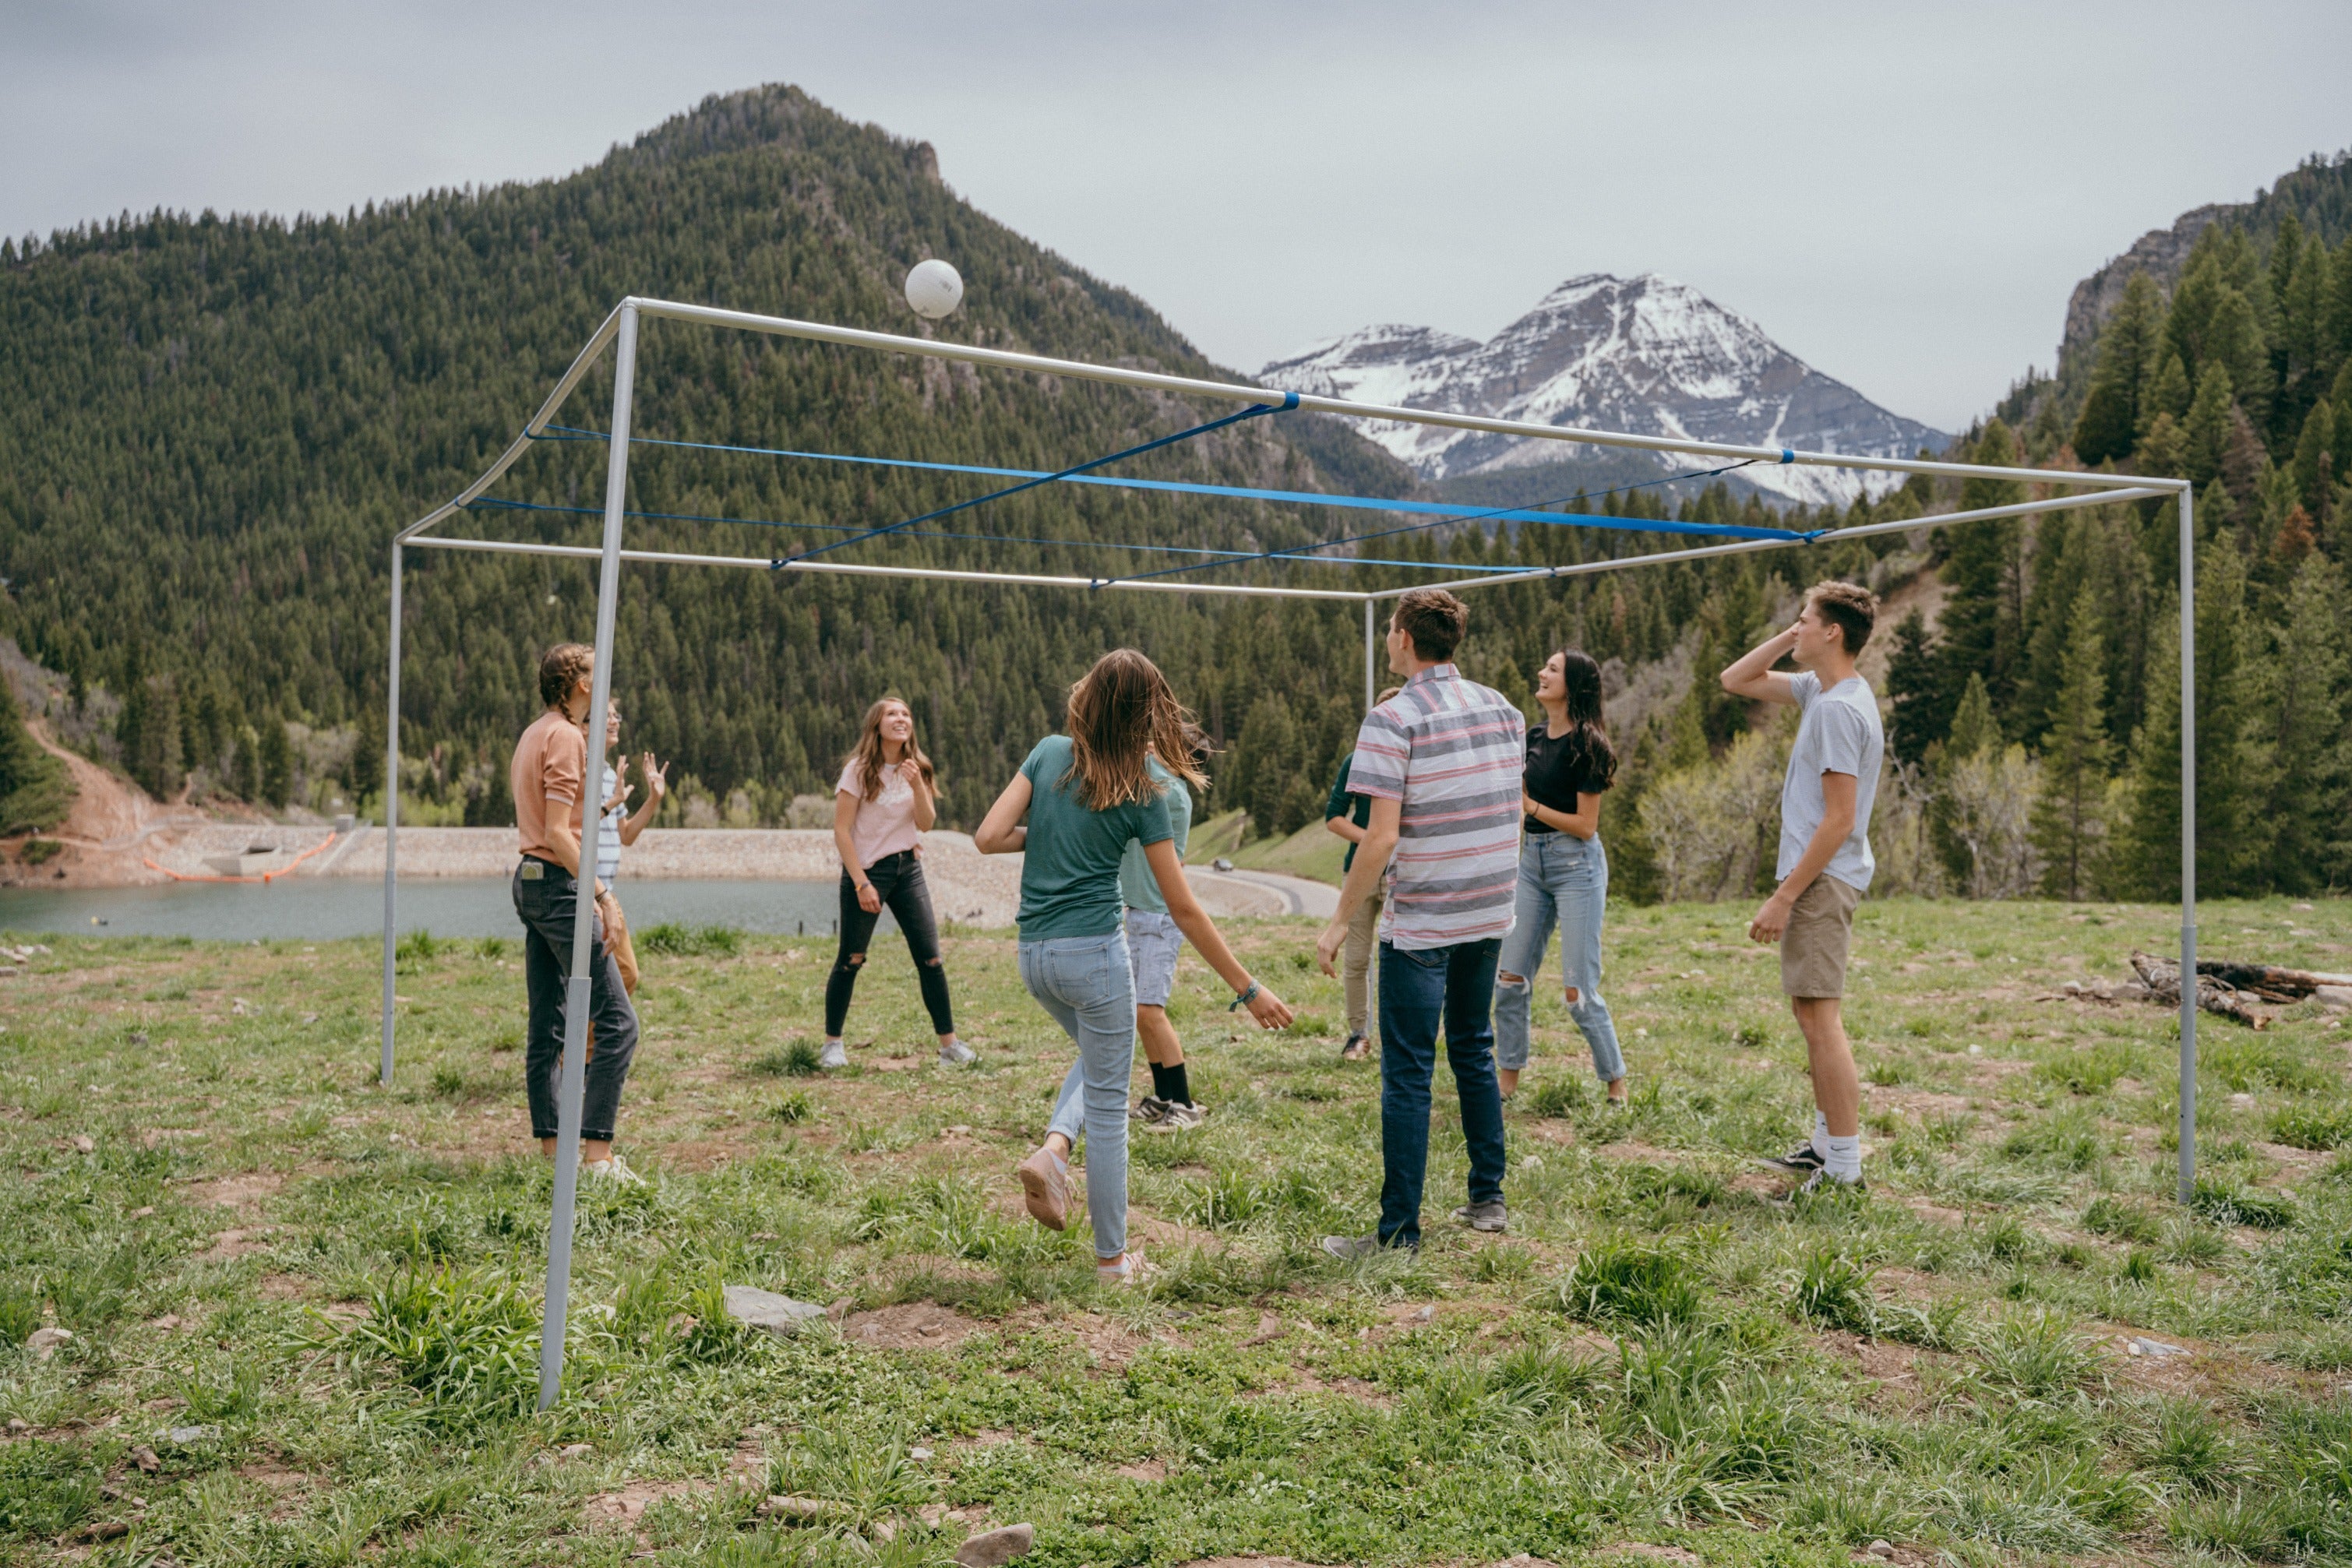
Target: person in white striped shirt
(1440,762)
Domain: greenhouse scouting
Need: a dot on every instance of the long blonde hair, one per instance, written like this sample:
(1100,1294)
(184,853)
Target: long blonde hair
(1119,710)
(866,755)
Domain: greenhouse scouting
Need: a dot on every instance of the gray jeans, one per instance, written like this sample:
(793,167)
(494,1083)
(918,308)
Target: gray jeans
(1087,983)
(1563,880)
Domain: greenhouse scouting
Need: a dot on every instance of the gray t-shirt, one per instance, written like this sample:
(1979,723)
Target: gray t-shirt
(1838,732)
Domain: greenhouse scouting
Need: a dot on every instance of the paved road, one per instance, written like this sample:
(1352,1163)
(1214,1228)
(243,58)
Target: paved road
(1262,892)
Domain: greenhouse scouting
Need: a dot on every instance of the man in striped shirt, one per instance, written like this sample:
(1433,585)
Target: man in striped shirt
(1440,762)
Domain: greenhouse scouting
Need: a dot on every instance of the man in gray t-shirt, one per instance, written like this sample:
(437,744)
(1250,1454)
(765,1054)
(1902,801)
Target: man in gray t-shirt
(1825,863)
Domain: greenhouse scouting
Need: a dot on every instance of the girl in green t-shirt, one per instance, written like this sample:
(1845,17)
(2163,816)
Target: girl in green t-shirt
(1069,812)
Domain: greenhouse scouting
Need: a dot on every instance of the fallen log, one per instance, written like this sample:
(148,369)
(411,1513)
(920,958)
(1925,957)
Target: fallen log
(2215,996)
(2269,981)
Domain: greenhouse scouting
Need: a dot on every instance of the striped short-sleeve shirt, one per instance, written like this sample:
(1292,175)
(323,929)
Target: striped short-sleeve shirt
(1450,751)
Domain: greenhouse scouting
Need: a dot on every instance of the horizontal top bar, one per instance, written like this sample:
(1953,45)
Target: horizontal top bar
(891,343)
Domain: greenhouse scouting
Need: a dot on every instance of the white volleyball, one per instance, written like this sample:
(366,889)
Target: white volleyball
(934,288)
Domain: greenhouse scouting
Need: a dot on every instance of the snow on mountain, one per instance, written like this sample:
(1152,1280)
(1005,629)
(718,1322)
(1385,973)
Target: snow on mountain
(1643,355)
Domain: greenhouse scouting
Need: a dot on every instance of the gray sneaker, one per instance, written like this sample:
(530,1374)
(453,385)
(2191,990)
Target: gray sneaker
(833,1055)
(1148,1110)
(1177,1116)
(956,1053)
(1355,1249)
(1489,1217)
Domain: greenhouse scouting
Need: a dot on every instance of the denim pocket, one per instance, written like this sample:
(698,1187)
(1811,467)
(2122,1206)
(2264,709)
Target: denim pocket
(1423,958)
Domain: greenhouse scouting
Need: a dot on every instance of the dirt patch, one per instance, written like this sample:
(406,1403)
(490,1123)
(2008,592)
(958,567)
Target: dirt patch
(1643,1549)
(1170,1235)
(917,1326)
(243,1192)
(283,1288)
(1148,1471)
(1629,1149)
(619,1510)
(1306,1380)
(1248,1562)
(228,1244)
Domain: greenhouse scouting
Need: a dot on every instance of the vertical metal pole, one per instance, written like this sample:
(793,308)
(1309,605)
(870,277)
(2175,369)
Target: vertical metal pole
(577,989)
(1370,638)
(2187,846)
(391,812)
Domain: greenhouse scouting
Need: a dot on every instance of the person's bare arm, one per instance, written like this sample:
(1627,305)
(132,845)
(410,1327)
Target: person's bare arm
(1345,827)
(656,789)
(927,806)
(1837,821)
(1268,1010)
(845,830)
(1751,676)
(1372,853)
(1580,823)
(1003,831)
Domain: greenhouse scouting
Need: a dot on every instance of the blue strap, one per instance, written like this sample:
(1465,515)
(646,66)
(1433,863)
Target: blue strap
(1536,514)
(492,503)
(1290,400)
(1441,510)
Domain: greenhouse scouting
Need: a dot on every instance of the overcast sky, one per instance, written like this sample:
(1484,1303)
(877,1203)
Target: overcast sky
(1902,195)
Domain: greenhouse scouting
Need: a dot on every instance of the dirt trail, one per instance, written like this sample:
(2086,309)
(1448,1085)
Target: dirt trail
(105,830)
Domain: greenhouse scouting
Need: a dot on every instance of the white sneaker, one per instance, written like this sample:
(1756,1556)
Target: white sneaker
(956,1053)
(615,1169)
(833,1055)
(1177,1116)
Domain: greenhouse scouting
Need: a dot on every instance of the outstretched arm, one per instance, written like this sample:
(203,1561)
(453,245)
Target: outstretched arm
(1268,1010)
(1751,677)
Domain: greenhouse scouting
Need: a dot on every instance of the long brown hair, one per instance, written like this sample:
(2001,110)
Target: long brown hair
(1119,710)
(866,755)
(1590,757)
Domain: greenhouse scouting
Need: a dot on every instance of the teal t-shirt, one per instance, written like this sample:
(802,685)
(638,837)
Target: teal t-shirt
(1137,885)
(1069,869)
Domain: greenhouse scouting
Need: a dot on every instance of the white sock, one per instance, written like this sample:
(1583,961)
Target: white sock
(1820,1135)
(1843,1157)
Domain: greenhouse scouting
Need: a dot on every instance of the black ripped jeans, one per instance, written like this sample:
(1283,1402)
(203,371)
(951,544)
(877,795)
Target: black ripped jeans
(900,879)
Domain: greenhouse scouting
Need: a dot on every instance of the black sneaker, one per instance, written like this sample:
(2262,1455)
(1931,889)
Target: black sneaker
(1148,1110)
(1821,1183)
(1802,1160)
(1356,1049)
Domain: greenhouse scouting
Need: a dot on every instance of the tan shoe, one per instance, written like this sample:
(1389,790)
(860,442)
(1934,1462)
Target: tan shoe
(1046,1184)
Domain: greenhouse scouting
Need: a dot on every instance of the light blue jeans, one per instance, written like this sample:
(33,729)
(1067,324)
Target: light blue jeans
(1088,985)
(1563,881)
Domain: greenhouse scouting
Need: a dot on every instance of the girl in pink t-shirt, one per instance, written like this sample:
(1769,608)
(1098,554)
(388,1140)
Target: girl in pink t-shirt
(881,809)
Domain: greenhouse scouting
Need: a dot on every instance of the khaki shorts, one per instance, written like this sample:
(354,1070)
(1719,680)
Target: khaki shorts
(1814,948)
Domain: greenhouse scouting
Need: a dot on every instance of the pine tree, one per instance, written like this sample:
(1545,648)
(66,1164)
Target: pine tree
(2167,395)
(1982,620)
(2208,428)
(277,760)
(2107,427)
(35,791)
(2314,448)
(1974,727)
(2069,817)
(1917,689)
(2310,808)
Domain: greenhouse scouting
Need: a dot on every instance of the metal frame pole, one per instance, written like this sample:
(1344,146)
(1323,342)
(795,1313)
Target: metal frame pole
(2187,845)
(1371,640)
(391,815)
(577,989)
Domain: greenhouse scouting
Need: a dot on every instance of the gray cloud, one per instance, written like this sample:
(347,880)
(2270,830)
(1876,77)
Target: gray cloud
(1901,196)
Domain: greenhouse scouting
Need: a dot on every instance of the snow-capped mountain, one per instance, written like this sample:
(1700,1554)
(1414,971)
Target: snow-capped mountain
(1644,355)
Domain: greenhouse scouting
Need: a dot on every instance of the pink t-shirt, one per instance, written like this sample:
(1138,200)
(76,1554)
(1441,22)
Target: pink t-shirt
(886,824)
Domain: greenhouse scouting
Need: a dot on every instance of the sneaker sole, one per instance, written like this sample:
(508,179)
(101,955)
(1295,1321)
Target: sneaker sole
(1787,1166)
(1039,1194)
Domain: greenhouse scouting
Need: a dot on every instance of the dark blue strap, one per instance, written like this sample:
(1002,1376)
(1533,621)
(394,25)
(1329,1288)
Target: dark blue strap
(1290,400)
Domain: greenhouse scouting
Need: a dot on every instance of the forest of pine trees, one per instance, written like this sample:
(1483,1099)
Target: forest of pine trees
(210,427)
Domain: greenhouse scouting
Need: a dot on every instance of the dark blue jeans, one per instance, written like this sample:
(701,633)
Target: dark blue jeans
(1422,991)
(549,905)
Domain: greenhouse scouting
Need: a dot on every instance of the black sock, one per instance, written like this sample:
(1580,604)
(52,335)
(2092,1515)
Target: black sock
(1177,1089)
(1159,1080)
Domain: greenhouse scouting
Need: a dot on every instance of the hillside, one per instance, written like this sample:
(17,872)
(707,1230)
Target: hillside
(210,428)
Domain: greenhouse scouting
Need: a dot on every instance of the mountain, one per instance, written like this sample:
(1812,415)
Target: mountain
(2316,194)
(1644,355)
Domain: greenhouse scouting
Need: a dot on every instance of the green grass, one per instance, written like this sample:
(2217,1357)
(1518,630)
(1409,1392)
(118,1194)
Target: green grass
(330,1292)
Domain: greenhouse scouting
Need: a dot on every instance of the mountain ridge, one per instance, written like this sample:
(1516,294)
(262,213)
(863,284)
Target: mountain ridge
(1644,355)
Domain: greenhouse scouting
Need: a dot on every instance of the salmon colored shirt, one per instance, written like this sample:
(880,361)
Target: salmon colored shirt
(550,762)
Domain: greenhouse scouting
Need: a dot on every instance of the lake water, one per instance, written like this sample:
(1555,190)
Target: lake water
(353,906)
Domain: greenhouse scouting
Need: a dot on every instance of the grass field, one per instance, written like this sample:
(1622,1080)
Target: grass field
(304,1308)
